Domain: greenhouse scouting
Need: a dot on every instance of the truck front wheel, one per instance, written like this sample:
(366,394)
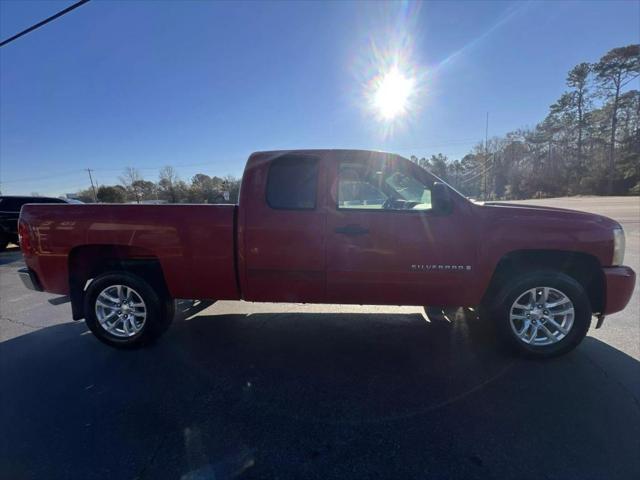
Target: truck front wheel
(125,311)
(543,314)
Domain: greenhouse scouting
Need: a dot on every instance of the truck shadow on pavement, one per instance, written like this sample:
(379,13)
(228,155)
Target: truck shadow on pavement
(306,395)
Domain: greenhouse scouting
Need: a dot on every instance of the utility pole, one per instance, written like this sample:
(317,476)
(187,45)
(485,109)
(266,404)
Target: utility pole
(486,157)
(95,196)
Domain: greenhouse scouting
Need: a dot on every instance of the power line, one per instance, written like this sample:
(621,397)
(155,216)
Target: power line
(473,170)
(467,180)
(119,169)
(43,22)
(445,143)
(116,169)
(83,171)
(47,177)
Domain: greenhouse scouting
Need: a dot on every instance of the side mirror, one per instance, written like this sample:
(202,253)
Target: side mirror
(441,202)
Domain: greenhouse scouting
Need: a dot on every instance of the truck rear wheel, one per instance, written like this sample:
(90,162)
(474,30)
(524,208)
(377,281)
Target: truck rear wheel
(124,311)
(542,314)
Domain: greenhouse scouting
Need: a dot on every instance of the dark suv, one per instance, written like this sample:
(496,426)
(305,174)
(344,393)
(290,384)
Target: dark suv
(9,212)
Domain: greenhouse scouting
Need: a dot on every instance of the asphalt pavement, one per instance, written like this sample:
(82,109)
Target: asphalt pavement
(242,390)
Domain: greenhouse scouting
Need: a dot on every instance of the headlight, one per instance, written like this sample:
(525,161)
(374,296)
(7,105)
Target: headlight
(618,246)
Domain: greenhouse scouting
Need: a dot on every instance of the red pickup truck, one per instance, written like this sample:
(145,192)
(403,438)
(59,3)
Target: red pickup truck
(332,226)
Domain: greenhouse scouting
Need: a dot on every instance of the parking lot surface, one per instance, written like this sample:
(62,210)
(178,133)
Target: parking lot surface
(318,391)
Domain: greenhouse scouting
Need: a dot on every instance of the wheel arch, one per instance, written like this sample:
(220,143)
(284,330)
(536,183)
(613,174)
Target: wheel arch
(88,261)
(582,267)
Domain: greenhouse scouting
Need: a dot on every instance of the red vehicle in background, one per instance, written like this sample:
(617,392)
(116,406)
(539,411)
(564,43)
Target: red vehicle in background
(332,226)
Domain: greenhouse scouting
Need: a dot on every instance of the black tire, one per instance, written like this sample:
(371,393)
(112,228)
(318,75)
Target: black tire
(159,310)
(501,309)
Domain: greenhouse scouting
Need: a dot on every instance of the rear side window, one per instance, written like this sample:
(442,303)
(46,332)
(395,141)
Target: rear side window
(292,183)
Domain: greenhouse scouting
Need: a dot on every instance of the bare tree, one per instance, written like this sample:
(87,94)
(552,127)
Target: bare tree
(130,179)
(167,183)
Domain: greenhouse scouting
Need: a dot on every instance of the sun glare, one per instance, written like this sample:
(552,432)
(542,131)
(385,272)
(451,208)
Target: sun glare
(392,94)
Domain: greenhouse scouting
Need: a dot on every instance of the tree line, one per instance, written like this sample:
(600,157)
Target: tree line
(589,142)
(169,188)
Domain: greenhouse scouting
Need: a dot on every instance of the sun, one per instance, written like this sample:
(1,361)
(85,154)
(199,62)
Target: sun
(392,93)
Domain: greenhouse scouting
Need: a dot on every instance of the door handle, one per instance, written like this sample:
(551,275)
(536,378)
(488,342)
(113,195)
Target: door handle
(352,230)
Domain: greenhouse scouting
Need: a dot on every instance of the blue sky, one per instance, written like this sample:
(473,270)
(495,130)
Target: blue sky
(200,85)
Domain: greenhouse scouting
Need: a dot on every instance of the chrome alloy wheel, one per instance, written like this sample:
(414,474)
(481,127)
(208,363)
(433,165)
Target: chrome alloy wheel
(542,316)
(121,311)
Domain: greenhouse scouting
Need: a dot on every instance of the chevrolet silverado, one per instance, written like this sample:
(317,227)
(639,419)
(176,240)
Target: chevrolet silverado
(332,226)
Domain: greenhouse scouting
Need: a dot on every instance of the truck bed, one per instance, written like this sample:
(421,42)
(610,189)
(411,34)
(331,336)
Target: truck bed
(194,244)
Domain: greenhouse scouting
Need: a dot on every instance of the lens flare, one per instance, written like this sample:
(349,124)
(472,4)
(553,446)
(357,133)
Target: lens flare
(392,93)
(390,87)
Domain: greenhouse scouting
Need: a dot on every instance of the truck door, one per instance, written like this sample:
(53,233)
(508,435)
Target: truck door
(385,244)
(284,229)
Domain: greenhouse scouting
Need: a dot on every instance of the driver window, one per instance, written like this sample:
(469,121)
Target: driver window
(380,186)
